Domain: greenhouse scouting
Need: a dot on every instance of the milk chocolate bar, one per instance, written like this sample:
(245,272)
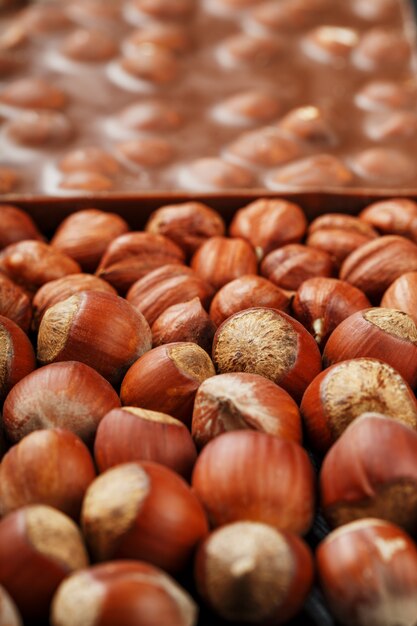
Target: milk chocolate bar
(207,96)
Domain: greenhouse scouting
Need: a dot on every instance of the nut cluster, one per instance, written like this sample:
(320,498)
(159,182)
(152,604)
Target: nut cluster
(155,386)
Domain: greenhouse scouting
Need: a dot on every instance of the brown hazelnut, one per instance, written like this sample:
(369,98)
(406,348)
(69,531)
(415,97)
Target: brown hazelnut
(62,288)
(313,172)
(142,592)
(15,303)
(133,434)
(239,400)
(401,295)
(133,255)
(244,293)
(40,129)
(16,225)
(85,235)
(96,328)
(338,235)
(246,50)
(173,36)
(247,108)
(331,44)
(86,181)
(235,478)
(153,63)
(90,159)
(309,125)
(368,573)
(186,321)
(17,358)
(382,48)
(147,151)
(89,46)
(345,390)
(371,471)
(385,334)
(181,366)
(67,395)
(33,93)
(41,19)
(321,304)
(385,95)
(162,520)
(220,260)
(213,174)
(270,343)
(288,267)
(269,224)
(384,166)
(164,9)
(188,224)
(166,286)
(264,147)
(375,265)
(31,264)
(248,571)
(44,545)
(397,216)
(52,467)
(151,116)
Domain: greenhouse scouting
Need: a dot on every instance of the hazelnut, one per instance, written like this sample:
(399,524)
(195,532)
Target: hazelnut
(186,321)
(317,172)
(133,255)
(211,174)
(133,434)
(51,467)
(368,572)
(236,401)
(31,264)
(321,304)
(86,181)
(269,224)
(270,343)
(345,390)
(244,293)
(385,334)
(62,288)
(220,260)
(181,366)
(145,594)
(401,293)
(235,477)
(287,16)
(66,395)
(147,152)
(249,571)
(371,471)
(17,358)
(166,286)
(247,108)
(44,545)
(308,124)
(395,125)
(385,95)
(9,615)
(33,93)
(97,328)
(151,116)
(384,166)
(248,51)
(42,19)
(89,46)
(85,235)
(331,44)
(16,225)
(94,160)
(173,36)
(137,495)
(164,9)
(264,147)
(188,224)
(40,129)
(15,303)
(382,48)
(397,216)
(376,264)
(288,267)
(338,235)
(153,63)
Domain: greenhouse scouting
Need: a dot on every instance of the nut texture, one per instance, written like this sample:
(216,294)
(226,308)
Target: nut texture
(68,395)
(236,401)
(270,343)
(288,267)
(125,515)
(401,294)
(397,216)
(182,367)
(15,303)
(236,478)
(17,358)
(16,225)
(99,329)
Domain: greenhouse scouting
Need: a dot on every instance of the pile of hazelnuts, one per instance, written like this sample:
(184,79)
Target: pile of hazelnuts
(156,388)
